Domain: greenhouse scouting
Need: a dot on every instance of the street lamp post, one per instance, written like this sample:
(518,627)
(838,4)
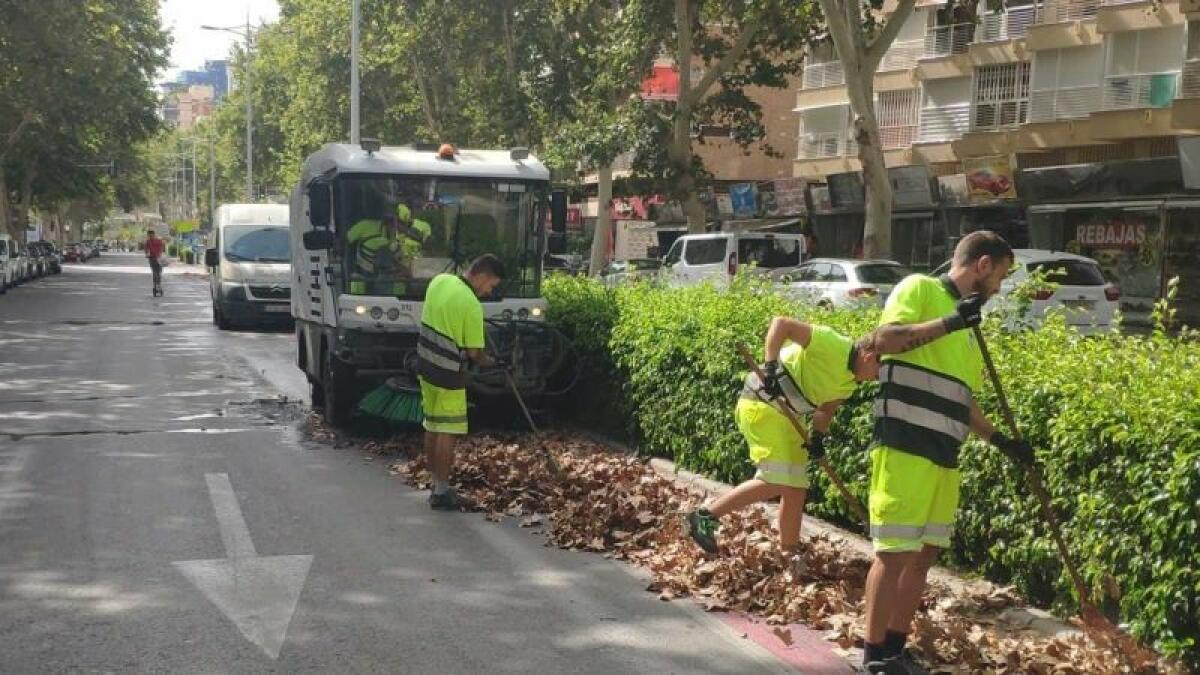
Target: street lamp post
(355,20)
(249,38)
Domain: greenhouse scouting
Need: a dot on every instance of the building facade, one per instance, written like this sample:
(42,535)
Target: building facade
(992,106)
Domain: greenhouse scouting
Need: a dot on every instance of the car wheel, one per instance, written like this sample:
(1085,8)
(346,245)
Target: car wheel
(221,320)
(337,396)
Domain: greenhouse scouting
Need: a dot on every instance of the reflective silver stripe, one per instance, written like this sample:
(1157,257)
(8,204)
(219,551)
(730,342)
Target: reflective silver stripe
(922,417)
(780,467)
(449,419)
(903,375)
(426,354)
(896,531)
(752,390)
(438,339)
(940,531)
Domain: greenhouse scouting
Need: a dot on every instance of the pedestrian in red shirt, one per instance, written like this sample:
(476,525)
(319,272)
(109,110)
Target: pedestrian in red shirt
(154,250)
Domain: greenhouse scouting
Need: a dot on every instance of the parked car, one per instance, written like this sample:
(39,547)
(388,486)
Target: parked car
(719,256)
(1081,293)
(8,263)
(25,264)
(51,258)
(73,253)
(625,271)
(840,282)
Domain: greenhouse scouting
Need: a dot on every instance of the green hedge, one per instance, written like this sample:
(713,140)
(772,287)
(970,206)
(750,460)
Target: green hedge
(1116,419)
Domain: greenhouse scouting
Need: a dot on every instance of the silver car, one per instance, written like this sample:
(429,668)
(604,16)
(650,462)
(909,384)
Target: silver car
(842,282)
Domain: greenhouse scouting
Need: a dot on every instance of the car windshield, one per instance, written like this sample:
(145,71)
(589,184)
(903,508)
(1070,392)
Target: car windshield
(769,252)
(256,243)
(1069,272)
(881,274)
(450,221)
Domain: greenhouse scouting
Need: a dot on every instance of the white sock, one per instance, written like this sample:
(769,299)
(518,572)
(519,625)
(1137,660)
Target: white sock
(441,487)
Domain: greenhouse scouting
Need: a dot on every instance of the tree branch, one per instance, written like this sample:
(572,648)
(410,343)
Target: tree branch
(15,134)
(882,41)
(731,57)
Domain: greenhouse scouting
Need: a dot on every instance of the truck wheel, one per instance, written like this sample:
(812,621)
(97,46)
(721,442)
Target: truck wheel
(221,320)
(338,391)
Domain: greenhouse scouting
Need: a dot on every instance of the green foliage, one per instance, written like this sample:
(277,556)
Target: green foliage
(1115,419)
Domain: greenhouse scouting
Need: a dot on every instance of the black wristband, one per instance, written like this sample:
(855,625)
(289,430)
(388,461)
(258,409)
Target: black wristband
(953,323)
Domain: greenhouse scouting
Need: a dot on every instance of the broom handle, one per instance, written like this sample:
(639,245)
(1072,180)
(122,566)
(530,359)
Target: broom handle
(555,468)
(1035,480)
(855,506)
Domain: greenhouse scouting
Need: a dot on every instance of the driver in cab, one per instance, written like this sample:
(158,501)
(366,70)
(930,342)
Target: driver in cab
(383,251)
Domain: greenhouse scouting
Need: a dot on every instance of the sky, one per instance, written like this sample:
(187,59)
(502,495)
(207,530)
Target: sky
(192,46)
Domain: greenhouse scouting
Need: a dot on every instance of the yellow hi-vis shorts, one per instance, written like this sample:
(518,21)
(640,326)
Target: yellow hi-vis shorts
(445,409)
(912,501)
(775,445)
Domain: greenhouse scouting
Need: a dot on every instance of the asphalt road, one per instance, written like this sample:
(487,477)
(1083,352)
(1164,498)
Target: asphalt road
(161,511)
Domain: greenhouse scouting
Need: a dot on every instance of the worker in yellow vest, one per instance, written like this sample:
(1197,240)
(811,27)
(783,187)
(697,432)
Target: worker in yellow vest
(383,252)
(809,369)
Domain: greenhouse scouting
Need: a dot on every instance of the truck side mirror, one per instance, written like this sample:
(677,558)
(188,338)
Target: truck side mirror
(318,240)
(558,211)
(210,257)
(319,204)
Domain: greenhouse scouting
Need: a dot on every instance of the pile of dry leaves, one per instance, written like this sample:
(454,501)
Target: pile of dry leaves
(619,506)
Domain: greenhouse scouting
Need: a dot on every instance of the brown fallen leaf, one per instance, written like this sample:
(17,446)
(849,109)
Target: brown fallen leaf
(784,634)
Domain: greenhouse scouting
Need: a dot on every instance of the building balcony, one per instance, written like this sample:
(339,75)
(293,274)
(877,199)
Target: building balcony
(828,74)
(1010,25)
(902,55)
(948,40)
(898,137)
(1067,103)
(943,123)
(825,146)
(1064,11)
(1143,90)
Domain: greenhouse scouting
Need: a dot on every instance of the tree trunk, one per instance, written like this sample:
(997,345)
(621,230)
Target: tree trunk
(604,221)
(6,224)
(877,225)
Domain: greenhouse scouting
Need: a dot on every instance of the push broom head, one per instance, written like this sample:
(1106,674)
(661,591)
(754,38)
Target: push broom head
(398,400)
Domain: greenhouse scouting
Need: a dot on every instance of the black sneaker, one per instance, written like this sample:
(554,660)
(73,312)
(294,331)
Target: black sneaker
(905,664)
(874,668)
(702,527)
(446,501)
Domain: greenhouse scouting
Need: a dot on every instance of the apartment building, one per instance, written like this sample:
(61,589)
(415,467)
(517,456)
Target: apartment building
(1049,121)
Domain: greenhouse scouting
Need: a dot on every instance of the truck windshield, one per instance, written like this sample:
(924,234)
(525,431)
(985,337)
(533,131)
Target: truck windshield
(256,243)
(398,232)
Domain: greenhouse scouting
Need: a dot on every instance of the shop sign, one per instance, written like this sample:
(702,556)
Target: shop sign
(789,197)
(954,190)
(743,199)
(724,205)
(846,190)
(662,85)
(1116,233)
(910,186)
(989,178)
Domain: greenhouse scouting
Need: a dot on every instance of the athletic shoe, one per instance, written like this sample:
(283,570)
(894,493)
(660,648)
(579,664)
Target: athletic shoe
(702,527)
(905,664)
(446,501)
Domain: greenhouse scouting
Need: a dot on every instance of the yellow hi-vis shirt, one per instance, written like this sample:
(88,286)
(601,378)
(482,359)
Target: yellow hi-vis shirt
(451,321)
(926,394)
(816,374)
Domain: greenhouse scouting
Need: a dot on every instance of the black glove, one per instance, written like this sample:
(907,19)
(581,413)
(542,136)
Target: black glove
(1019,451)
(771,374)
(968,313)
(816,446)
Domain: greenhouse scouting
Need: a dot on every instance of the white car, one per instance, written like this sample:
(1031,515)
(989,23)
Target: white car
(1082,294)
(840,282)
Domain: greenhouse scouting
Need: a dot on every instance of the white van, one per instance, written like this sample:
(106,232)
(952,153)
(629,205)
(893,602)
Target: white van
(250,265)
(717,257)
(8,263)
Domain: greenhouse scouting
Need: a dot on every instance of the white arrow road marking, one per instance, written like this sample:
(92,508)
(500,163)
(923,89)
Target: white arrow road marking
(257,593)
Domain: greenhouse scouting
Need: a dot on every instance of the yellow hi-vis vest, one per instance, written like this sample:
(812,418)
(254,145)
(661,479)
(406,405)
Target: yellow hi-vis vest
(813,375)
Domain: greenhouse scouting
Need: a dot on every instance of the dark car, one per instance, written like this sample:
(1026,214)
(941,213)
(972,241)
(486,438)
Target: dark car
(74,253)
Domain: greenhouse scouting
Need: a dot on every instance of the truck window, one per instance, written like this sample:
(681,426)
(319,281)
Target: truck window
(443,225)
(769,253)
(704,251)
(674,254)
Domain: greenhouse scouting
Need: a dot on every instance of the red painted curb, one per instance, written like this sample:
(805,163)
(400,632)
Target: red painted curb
(809,653)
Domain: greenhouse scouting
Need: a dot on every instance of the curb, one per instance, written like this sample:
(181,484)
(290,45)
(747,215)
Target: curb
(1026,618)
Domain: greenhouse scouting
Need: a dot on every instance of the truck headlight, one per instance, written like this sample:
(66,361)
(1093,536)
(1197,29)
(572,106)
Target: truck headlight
(523,313)
(377,313)
(507,315)
(393,314)
(360,309)
(536,312)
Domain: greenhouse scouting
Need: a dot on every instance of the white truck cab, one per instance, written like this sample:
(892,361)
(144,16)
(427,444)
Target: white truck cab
(357,304)
(717,257)
(8,263)
(249,265)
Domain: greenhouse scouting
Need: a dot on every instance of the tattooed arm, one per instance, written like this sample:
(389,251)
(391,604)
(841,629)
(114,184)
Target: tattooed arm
(897,338)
